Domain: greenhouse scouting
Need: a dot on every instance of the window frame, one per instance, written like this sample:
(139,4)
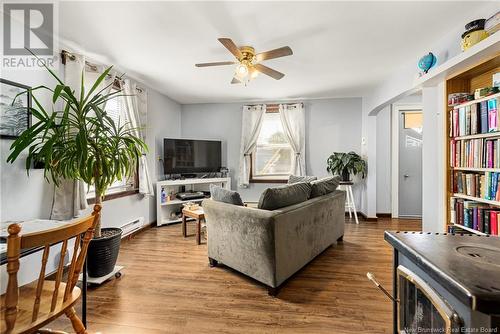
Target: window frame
(270,179)
(127,191)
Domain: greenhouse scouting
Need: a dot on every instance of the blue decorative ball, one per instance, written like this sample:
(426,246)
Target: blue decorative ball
(427,62)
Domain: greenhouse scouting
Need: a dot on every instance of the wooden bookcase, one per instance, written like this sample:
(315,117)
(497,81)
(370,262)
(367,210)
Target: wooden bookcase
(468,81)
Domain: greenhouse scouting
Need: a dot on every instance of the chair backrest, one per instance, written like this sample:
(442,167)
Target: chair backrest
(15,242)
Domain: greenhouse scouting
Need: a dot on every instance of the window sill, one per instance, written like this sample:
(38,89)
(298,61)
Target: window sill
(268,181)
(108,197)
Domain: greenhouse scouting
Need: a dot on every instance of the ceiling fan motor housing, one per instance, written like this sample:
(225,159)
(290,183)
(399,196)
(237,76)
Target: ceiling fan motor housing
(248,53)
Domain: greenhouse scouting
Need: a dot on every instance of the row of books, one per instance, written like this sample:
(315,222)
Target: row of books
(481,117)
(476,153)
(478,216)
(479,185)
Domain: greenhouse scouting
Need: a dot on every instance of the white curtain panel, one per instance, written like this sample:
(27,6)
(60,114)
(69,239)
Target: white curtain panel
(136,106)
(294,125)
(250,129)
(70,196)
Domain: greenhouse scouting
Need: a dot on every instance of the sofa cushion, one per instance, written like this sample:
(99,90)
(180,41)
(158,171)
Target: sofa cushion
(220,194)
(279,197)
(296,179)
(324,186)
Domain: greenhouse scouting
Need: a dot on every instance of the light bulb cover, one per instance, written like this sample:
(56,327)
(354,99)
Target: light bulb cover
(242,69)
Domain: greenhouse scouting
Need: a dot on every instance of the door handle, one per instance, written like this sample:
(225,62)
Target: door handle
(406,176)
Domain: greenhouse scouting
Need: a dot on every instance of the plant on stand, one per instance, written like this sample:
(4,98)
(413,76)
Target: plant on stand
(345,164)
(79,141)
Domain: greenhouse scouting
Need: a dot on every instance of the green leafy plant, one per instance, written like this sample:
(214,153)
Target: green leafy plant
(340,163)
(80,141)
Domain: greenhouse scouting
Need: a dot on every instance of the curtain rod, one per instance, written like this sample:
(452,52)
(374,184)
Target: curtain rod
(275,105)
(66,54)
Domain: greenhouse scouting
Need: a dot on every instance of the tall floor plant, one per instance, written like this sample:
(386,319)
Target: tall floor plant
(80,141)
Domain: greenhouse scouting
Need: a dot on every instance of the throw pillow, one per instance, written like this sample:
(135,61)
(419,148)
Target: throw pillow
(324,186)
(295,179)
(280,197)
(220,194)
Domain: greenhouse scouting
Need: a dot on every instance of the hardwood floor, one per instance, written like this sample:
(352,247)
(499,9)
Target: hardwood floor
(168,287)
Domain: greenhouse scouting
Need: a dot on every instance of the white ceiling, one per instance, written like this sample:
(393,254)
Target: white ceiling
(340,48)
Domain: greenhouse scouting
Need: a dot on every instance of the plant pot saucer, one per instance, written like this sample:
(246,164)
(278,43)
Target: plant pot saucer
(99,280)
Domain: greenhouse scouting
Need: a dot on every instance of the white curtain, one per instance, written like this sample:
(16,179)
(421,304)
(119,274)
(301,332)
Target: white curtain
(294,125)
(136,106)
(250,128)
(70,196)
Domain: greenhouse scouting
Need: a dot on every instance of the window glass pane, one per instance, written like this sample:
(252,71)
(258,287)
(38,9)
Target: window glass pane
(413,120)
(273,154)
(115,109)
(273,160)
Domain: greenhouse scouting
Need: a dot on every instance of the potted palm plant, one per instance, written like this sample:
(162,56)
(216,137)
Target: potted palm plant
(81,142)
(343,164)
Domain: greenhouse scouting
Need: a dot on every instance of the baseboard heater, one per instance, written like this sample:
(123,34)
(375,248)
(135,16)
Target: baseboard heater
(132,226)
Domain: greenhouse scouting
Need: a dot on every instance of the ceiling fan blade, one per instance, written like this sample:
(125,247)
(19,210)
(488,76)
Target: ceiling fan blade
(269,71)
(229,44)
(235,81)
(219,63)
(276,53)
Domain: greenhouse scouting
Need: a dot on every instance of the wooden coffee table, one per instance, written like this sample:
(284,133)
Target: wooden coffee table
(199,216)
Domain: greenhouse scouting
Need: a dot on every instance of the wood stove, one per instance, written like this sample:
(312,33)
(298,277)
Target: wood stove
(445,283)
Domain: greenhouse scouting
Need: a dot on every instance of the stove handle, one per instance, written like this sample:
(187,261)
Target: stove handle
(372,278)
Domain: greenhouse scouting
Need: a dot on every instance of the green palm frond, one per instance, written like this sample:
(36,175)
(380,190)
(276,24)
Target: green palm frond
(79,141)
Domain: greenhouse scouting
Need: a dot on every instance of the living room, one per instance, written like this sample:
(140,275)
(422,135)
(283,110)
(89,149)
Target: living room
(247,172)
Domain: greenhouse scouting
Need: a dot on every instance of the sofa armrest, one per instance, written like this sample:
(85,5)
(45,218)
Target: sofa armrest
(304,231)
(242,238)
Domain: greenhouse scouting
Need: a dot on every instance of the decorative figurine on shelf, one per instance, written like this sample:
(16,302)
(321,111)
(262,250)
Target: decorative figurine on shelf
(474,33)
(427,62)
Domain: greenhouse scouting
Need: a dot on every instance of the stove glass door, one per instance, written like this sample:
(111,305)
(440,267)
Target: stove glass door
(421,310)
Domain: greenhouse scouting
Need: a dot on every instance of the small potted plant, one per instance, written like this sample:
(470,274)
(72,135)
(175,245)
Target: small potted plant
(81,142)
(345,164)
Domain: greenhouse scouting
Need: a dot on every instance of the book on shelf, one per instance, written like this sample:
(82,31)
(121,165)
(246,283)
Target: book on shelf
(481,185)
(475,215)
(475,153)
(477,118)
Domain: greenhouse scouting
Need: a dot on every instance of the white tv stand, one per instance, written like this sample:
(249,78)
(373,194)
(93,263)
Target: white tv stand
(165,209)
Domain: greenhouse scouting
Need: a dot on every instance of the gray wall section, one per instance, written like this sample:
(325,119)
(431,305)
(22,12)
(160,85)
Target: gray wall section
(30,197)
(384,161)
(331,125)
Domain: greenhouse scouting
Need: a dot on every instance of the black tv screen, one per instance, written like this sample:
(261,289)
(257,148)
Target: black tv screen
(191,156)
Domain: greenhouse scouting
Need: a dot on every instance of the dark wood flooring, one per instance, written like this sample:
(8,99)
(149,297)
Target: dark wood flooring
(168,287)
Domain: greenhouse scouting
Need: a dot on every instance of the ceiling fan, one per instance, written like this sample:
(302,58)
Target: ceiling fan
(248,62)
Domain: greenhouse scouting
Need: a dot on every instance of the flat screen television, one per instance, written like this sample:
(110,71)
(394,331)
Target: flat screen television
(183,156)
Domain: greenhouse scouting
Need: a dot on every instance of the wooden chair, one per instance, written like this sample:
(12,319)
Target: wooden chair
(27,309)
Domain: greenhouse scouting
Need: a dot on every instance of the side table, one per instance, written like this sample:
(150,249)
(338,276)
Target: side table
(349,201)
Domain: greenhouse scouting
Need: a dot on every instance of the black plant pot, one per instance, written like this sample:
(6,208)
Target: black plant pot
(346,176)
(103,252)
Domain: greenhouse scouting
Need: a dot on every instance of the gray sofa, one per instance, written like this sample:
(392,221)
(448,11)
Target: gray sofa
(270,246)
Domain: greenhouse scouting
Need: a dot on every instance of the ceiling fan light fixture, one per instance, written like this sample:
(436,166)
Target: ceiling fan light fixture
(242,70)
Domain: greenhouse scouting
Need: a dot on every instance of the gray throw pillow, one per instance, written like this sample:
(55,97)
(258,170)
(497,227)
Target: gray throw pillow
(324,186)
(280,197)
(223,195)
(295,179)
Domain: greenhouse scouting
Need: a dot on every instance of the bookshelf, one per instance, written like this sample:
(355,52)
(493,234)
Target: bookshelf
(473,153)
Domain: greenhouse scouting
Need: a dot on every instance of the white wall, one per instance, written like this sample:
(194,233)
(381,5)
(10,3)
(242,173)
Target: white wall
(384,161)
(25,197)
(331,125)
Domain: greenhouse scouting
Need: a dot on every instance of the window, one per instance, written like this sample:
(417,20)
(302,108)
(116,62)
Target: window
(115,109)
(272,157)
